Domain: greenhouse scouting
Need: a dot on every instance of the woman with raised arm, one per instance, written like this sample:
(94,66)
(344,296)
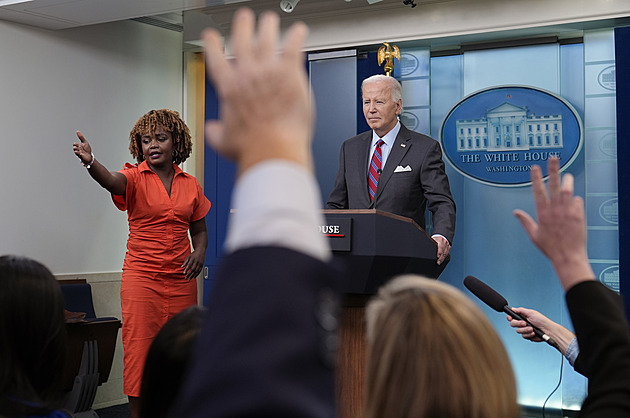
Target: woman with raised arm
(163,204)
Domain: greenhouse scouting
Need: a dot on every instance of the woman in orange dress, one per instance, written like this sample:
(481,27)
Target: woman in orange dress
(163,204)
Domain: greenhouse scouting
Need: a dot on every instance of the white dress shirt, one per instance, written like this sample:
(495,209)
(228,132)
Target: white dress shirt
(386,148)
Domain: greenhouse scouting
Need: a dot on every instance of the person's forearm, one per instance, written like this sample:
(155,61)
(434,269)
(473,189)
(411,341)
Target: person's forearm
(573,269)
(560,335)
(573,272)
(199,235)
(109,181)
(200,241)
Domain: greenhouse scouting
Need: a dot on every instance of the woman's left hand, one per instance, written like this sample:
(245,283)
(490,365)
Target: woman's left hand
(193,265)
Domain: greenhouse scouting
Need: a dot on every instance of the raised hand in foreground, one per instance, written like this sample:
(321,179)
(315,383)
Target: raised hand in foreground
(559,230)
(265,110)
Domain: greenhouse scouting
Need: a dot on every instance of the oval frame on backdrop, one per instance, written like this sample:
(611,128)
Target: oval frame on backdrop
(494,136)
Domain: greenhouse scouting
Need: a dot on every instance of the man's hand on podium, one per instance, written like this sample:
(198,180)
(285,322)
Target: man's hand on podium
(444,247)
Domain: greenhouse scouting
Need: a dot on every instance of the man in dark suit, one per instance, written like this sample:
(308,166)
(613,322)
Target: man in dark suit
(407,177)
(267,344)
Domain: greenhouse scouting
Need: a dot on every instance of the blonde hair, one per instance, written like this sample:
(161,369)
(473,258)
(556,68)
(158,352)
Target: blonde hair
(170,121)
(433,353)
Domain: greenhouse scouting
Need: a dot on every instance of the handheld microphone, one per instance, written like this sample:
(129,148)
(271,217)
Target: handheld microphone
(497,302)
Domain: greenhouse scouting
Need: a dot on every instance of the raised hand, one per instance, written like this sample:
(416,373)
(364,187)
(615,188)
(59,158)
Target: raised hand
(82,149)
(265,109)
(561,229)
(114,182)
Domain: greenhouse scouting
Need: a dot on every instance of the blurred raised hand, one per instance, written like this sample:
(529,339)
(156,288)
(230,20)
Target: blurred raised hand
(264,100)
(559,230)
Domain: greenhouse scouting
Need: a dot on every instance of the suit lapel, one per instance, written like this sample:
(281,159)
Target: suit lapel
(401,146)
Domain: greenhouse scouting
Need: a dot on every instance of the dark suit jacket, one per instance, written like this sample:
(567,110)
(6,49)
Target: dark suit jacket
(406,193)
(604,338)
(266,348)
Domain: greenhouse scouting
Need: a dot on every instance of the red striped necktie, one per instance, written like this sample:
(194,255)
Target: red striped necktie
(375,169)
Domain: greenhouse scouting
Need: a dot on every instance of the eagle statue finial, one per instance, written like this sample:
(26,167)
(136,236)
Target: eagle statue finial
(387,53)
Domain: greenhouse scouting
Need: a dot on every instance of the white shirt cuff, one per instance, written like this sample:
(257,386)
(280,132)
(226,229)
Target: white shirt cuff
(277,202)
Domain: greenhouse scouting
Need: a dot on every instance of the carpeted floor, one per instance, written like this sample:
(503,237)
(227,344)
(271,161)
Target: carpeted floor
(118,411)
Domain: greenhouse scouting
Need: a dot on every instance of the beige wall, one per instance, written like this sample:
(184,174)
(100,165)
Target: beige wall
(99,79)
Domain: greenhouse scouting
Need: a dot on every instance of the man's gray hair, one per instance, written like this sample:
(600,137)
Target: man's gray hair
(395,86)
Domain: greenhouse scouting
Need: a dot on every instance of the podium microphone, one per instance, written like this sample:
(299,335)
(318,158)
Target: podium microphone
(497,302)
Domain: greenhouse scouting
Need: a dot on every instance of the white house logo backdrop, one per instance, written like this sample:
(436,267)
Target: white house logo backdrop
(495,135)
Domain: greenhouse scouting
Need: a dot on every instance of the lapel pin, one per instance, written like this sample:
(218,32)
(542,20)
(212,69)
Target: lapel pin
(403,145)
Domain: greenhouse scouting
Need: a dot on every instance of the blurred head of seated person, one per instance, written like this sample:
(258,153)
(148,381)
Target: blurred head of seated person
(167,362)
(32,339)
(433,353)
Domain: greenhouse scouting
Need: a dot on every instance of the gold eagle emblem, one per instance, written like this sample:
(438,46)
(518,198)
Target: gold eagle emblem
(387,53)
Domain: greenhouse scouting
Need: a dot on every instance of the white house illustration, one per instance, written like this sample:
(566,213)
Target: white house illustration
(508,127)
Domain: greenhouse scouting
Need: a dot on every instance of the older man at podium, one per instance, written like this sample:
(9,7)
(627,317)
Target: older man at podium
(394,169)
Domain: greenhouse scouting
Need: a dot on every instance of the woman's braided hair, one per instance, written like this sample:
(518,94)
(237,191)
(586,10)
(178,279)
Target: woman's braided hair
(170,121)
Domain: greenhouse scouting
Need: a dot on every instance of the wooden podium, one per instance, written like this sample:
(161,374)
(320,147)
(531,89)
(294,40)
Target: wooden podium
(372,246)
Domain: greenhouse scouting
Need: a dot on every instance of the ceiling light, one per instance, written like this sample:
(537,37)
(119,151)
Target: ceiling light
(10,2)
(288,5)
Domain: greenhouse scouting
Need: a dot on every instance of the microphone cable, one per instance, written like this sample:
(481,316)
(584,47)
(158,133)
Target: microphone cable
(497,302)
(556,388)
